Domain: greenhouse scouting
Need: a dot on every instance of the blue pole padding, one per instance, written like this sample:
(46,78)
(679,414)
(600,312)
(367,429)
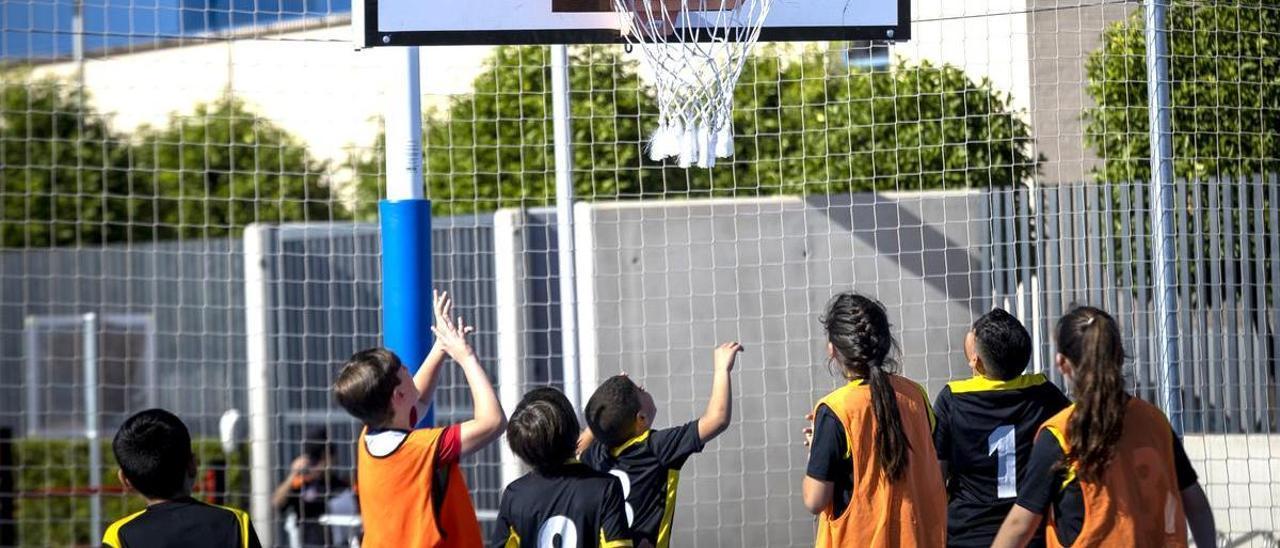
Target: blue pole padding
(406,283)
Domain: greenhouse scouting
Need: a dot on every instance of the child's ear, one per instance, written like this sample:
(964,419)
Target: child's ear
(193,466)
(831,350)
(1064,365)
(124,481)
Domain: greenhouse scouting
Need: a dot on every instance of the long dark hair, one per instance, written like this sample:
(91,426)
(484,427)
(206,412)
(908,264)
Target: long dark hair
(1091,340)
(858,328)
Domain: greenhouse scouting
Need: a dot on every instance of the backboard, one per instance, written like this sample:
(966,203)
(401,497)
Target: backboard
(494,22)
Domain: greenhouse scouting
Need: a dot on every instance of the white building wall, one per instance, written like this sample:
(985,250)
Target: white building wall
(311,83)
(986,39)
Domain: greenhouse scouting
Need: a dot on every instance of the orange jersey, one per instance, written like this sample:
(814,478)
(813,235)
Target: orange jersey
(408,498)
(909,512)
(1136,502)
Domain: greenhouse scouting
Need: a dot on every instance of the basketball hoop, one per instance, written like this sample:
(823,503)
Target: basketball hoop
(697,49)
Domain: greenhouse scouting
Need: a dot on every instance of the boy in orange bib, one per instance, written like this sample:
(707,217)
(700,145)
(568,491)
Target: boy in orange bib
(412,492)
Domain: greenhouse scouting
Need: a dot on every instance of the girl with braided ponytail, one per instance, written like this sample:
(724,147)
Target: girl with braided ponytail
(1110,467)
(873,477)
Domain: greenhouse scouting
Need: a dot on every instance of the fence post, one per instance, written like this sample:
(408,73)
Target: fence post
(259,252)
(8,490)
(561,125)
(90,371)
(1161,196)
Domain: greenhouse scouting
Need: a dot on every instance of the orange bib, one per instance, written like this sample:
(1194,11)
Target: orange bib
(407,501)
(909,512)
(1137,501)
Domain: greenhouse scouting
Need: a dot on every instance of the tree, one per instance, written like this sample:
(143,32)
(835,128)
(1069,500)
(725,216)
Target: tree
(61,168)
(69,180)
(1224,74)
(802,127)
(211,173)
(493,148)
(806,128)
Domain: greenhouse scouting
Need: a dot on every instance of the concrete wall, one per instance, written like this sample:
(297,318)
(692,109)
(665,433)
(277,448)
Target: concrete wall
(661,283)
(1062,34)
(190,292)
(1241,475)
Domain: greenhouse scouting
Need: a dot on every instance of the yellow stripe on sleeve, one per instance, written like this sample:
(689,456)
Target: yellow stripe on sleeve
(513,540)
(243,519)
(112,535)
(668,513)
(606,543)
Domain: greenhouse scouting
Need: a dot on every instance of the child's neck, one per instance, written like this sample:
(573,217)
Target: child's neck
(400,421)
(152,502)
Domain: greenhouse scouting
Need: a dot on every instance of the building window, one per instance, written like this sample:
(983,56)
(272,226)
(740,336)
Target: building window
(56,399)
(867,55)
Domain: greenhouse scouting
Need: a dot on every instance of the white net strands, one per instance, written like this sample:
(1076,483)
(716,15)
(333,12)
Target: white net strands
(696,50)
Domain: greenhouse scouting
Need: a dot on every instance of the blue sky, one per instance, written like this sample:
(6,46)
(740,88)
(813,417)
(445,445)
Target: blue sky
(42,28)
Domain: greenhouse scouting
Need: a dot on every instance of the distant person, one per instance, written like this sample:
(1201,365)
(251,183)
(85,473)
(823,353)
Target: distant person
(153,449)
(1108,470)
(986,425)
(311,483)
(412,492)
(561,498)
(621,441)
(873,477)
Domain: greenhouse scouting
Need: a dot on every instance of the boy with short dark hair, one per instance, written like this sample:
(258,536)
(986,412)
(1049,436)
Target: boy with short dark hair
(153,449)
(412,492)
(621,441)
(561,497)
(986,427)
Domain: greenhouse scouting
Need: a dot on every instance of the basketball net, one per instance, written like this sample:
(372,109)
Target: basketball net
(696,49)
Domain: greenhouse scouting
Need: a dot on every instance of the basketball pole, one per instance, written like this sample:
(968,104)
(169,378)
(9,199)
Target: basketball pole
(563,132)
(405,222)
(1161,192)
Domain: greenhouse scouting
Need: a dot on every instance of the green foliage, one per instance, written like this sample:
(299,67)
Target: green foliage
(802,126)
(223,167)
(61,169)
(805,128)
(59,520)
(67,179)
(1224,83)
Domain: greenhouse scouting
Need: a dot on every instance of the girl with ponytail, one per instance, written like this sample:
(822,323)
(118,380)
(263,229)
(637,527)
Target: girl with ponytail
(873,477)
(1110,465)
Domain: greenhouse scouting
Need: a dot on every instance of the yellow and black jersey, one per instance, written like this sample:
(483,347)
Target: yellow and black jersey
(648,467)
(183,523)
(985,432)
(576,504)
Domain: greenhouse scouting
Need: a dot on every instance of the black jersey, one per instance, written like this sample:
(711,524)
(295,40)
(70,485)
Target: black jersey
(648,467)
(985,432)
(183,523)
(580,506)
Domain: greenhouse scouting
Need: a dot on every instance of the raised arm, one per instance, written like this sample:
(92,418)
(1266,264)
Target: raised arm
(428,375)
(719,411)
(487,420)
